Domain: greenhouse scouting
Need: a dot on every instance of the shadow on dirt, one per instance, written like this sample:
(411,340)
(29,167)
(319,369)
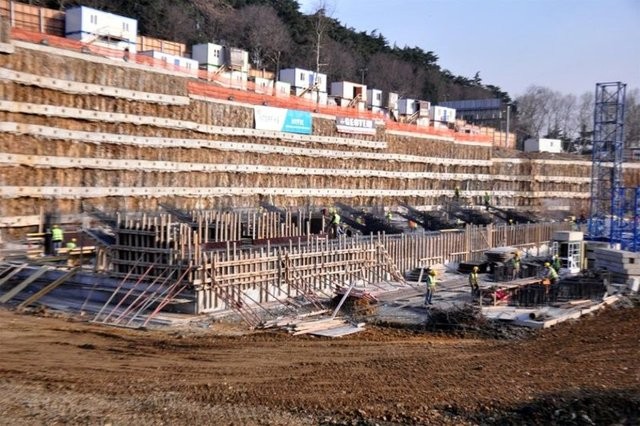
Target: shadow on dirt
(587,407)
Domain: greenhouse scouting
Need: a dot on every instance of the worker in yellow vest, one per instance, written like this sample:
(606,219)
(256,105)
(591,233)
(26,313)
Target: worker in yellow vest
(72,244)
(57,236)
(431,287)
(515,266)
(473,282)
(551,273)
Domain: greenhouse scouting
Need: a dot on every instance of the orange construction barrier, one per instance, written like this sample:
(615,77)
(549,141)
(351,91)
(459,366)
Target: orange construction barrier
(214,85)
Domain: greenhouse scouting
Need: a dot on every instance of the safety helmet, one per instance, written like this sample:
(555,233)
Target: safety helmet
(547,264)
(74,240)
(476,269)
(432,272)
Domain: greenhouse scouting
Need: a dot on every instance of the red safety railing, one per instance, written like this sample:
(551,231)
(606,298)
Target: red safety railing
(214,85)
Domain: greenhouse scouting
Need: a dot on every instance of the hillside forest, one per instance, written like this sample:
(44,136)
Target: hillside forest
(278,35)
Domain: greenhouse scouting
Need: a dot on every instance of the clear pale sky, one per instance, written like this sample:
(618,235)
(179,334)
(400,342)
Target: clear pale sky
(566,45)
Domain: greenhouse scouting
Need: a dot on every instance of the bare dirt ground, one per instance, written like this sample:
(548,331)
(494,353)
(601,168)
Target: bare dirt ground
(60,371)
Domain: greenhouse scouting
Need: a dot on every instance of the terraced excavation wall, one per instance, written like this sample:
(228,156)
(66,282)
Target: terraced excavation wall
(81,130)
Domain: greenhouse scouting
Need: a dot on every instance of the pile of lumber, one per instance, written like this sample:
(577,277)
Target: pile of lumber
(621,264)
(35,245)
(358,293)
(328,326)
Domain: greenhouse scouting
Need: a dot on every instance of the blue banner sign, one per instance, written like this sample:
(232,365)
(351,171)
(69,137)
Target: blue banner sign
(282,120)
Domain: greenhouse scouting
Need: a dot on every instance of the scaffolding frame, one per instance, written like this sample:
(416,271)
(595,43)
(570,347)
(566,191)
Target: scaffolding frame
(607,201)
(625,225)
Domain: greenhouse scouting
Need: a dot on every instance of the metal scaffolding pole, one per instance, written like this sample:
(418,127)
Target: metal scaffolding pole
(607,201)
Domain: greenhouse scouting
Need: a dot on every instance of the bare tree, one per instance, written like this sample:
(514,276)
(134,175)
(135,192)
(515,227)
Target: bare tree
(388,73)
(341,62)
(321,24)
(584,123)
(534,111)
(632,119)
(263,34)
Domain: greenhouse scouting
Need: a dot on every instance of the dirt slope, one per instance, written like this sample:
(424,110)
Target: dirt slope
(59,371)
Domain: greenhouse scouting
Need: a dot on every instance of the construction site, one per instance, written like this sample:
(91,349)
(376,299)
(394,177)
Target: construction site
(165,260)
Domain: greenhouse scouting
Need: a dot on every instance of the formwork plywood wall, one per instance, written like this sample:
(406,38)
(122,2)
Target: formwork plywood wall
(33,18)
(170,47)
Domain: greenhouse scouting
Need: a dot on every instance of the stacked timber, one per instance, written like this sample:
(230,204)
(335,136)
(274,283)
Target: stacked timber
(621,264)
(328,327)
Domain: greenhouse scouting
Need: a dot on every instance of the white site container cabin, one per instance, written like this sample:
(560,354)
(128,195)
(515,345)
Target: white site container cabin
(234,79)
(300,78)
(180,63)
(210,56)
(237,59)
(283,89)
(374,98)
(407,106)
(100,28)
(542,145)
(390,101)
(349,91)
(440,114)
(263,85)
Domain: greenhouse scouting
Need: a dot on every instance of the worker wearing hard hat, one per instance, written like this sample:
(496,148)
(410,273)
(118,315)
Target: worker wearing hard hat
(473,282)
(557,263)
(72,244)
(515,266)
(431,287)
(57,236)
(550,273)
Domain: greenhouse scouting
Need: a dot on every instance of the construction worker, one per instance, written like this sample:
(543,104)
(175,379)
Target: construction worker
(456,194)
(557,263)
(412,225)
(473,282)
(335,223)
(515,266)
(72,244)
(574,225)
(57,236)
(550,273)
(487,200)
(389,216)
(431,287)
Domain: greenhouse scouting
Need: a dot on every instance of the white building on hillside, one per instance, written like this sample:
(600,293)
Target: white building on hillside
(180,63)
(349,94)
(306,84)
(100,28)
(543,145)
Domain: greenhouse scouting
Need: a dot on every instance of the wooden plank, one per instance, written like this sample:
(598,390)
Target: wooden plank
(48,289)
(21,286)
(338,331)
